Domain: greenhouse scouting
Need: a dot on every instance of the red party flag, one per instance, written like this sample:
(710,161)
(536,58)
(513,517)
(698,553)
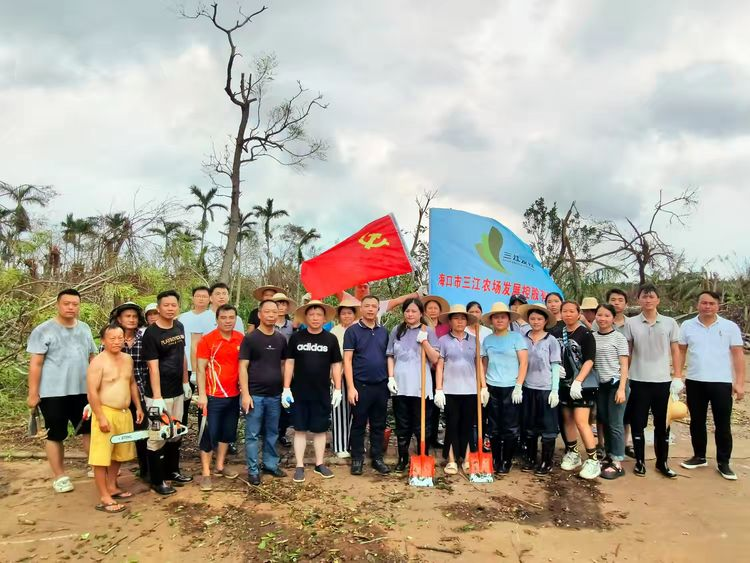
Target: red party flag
(373,253)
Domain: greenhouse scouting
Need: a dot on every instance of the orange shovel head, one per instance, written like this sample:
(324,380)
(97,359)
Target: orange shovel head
(422,466)
(480,463)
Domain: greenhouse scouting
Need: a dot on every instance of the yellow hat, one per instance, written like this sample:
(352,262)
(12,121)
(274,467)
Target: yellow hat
(499,307)
(299,314)
(258,293)
(676,410)
(524,311)
(456,310)
(589,303)
(282,297)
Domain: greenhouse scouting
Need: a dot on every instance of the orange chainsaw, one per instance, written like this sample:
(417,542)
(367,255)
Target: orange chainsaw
(161,426)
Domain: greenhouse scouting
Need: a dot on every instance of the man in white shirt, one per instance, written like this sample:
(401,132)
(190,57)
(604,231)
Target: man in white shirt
(194,320)
(716,369)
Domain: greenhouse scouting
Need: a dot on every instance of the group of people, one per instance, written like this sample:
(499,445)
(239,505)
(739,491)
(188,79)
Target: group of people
(537,370)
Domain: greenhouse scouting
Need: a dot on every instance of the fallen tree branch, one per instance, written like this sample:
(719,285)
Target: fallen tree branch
(453,551)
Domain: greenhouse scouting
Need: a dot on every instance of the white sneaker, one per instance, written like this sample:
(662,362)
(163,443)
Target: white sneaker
(343,455)
(591,469)
(570,461)
(62,484)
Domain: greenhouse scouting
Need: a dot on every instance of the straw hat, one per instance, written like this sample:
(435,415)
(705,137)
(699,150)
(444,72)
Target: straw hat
(524,311)
(351,303)
(258,293)
(676,410)
(282,297)
(499,307)
(589,303)
(442,303)
(299,314)
(455,310)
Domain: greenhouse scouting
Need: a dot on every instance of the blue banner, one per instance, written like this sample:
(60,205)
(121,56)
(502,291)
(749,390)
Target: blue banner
(475,258)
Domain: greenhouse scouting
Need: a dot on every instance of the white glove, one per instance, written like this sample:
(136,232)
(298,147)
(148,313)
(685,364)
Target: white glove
(439,400)
(87,412)
(554,399)
(576,390)
(421,336)
(187,390)
(517,395)
(160,404)
(336,398)
(392,386)
(484,395)
(287,398)
(675,388)
(422,291)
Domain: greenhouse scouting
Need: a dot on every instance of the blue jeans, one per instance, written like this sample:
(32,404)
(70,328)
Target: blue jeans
(610,414)
(263,416)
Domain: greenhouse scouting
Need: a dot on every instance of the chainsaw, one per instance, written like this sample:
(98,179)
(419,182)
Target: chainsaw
(161,426)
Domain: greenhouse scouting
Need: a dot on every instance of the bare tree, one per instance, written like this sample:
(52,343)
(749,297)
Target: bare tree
(419,251)
(279,134)
(643,247)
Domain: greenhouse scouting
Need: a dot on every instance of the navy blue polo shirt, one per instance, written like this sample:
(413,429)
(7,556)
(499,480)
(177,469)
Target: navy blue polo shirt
(369,346)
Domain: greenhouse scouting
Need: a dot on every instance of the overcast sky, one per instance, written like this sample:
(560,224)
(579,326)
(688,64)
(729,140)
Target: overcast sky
(493,103)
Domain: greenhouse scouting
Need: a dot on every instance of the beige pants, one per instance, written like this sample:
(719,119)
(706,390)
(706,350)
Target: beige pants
(175,407)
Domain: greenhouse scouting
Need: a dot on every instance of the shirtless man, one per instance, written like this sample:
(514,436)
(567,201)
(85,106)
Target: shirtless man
(111,386)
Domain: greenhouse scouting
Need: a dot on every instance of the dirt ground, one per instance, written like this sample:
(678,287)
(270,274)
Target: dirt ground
(698,516)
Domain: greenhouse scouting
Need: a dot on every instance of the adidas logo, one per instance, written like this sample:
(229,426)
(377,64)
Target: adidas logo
(310,347)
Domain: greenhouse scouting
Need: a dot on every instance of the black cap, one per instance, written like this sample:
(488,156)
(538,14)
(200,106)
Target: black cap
(518,298)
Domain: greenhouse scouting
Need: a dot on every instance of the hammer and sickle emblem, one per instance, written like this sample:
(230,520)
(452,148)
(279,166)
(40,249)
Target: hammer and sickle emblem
(373,240)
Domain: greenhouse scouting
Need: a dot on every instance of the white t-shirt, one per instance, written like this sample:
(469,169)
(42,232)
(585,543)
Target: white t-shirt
(709,349)
(193,323)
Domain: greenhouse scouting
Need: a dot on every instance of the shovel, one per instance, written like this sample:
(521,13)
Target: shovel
(422,466)
(480,463)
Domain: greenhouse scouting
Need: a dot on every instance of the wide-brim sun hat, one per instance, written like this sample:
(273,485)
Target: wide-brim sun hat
(299,314)
(524,311)
(441,301)
(589,304)
(458,310)
(351,303)
(283,297)
(499,307)
(676,410)
(258,293)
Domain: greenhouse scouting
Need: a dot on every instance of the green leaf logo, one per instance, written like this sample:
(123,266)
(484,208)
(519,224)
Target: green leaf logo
(489,249)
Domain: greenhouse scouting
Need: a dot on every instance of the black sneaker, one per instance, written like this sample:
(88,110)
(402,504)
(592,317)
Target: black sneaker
(323,471)
(694,462)
(666,471)
(640,469)
(630,451)
(178,479)
(380,466)
(726,472)
(253,479)
(357,466)
(286,442)
(276,472)
(163,489)
(232,448)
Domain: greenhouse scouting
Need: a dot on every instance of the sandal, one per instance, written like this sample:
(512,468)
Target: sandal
(451,468)
(110,508)
(122,495)
(612,472)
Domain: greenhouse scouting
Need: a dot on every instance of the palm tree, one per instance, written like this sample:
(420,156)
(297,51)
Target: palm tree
(307,238)
(73,232)
(166,230)
(118,228)
(207,206)
(268,214)
(21,197)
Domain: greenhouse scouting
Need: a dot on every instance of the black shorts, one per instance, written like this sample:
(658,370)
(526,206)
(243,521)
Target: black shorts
(588,401)
(311,416)
(58,411)
(222,416)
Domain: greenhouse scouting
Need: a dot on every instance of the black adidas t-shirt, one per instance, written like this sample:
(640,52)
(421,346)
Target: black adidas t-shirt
(168,346)
(313,355)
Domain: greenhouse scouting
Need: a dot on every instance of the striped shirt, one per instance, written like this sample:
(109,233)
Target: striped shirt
(609,348)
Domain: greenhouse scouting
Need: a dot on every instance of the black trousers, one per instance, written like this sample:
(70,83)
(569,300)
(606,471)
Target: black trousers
(538,418)
(699,395)
(647,397)
(407,413)
(434,424)
(505,417)
(371,407)
(186,406)
(460,420)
